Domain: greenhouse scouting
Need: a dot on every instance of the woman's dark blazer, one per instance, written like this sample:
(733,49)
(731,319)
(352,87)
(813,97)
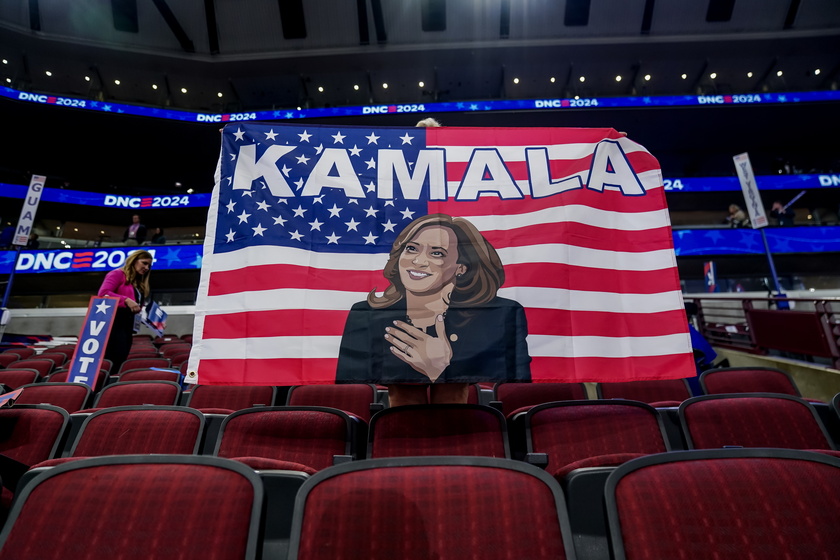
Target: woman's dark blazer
(488,344)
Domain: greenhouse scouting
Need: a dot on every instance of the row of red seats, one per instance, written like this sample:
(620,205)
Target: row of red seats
(673,504)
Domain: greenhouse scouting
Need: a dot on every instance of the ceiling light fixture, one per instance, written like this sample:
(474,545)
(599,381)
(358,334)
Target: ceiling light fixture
(779,73)
(5,61)
(48,73)
(684,76)
(183,90)
(647,77)
(551,80)
(516,80)
(385,86)
(618,78)
(220,94)
(87,78)
(421,84)
(154,86)
(749,74)
(356,87)
(321,89)
(582,79)
(117,82)
(817,72)
(713,75)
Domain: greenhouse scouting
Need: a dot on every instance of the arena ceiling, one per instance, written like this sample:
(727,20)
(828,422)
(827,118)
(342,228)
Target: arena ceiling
(234,55)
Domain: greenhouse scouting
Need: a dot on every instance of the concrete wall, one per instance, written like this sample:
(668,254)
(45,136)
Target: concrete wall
(68,321)
(814,381)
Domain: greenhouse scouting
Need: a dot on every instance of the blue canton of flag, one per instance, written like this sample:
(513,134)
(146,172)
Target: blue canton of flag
(290,201)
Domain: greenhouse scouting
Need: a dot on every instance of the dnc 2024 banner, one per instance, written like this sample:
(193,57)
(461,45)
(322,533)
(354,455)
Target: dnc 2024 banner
(430,255)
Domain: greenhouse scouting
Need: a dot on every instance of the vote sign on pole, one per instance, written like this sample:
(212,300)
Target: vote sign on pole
(93,338)
(27,213)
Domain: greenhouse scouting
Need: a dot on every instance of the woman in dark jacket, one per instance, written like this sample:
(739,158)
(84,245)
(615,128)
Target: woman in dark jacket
(439,321)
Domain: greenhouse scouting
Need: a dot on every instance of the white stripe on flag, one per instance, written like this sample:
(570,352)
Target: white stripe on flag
(576,300)
(272,347)
(538,298)
(574,213)
(606,347)
(293,347)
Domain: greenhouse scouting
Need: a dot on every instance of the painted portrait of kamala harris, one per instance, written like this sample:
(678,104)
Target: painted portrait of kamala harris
(439,320)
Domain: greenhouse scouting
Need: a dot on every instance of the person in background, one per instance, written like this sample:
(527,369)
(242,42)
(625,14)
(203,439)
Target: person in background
(33,242)
(737,218)
(784,215)
(131,285)
(157,237)
(6,237)
(136,232)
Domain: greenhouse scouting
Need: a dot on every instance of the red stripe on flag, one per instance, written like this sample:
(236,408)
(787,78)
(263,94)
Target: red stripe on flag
(273,276)
(292,371)
(286,322)
(582,235)
(580,278)
(609,370)
(473,136)
(296,371)
(562,322)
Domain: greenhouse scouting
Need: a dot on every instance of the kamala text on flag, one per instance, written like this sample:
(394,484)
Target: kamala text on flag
(302,220)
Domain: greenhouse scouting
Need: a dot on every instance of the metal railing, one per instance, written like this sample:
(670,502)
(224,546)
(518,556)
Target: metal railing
(804,326)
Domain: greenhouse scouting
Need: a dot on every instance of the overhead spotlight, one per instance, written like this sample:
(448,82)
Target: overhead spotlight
(516,80)
(713,75)
(190,191)
(552,80)
(87,78)
(220,94)
(356,87)
(117,82)
(647,77)
(577,96)
(5,61)
(684,76)
(57,227)
(385,86)
(817,72)
(749,74)
(298,108)
(321,89)
(48,73)
(583,79)
(183,90)
(779,73)
(421,84)
(8,80)
(101,232)
(618,78)
(75,229)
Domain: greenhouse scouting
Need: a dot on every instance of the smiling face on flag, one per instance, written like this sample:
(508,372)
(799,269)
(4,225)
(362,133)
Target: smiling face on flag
(429,261)
(304,218)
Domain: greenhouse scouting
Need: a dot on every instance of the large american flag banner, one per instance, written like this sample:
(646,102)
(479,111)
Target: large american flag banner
(303,216)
